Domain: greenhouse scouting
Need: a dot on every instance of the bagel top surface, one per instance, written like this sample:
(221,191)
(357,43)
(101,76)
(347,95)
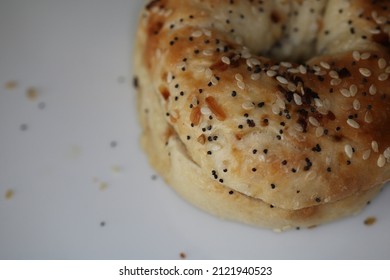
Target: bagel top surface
(285,101)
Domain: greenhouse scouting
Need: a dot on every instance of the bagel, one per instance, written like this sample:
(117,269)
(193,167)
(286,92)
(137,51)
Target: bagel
(271,113)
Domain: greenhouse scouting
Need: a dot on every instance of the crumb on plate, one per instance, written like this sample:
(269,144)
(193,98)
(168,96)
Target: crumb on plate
(116,169)
(183,255)
(11,85)
(9,194)
(369,221)
(103,186)
(32,93)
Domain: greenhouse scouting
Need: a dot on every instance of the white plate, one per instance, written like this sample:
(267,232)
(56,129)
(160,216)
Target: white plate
(81,186)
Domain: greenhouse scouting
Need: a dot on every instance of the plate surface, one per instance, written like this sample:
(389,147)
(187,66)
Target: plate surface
(74,183)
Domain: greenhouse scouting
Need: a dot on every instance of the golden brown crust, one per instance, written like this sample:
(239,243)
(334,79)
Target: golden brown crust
(297,136)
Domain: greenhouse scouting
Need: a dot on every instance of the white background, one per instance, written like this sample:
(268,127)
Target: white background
(82,188)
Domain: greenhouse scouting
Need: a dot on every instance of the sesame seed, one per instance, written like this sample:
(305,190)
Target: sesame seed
(318,102)
(365,72)
(333,74)
(325,65)
(271,73)
(302,69)
(207,32)
(372,90)
(169,77)
(291,87)
(208,52)
(381,161)
(238,77)
(348,150)
(374,31)
(253,61)
(353,123)
(275,109)
(245,53)
(356,55)
(375,146)
(319,131)
(368,118)
(248,105)
(286,64)
(205,110)
(197,33)
(382,63)
(241,85)
(214,80)
(366,154)
(386,153)
(297,99)
(356,104)
(280,103)
(209,73)
(311,176)
(255,76)
(215,147)
(383,77)
(345,92)
(316,68)
(199,68)
(380,20)
(181,64)
(353,90)
(335,82)
(282,80)
(175,114)
(225,60)
(365,56)
(298,127)
(314,121)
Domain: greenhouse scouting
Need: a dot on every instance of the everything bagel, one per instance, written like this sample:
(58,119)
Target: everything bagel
(272,113)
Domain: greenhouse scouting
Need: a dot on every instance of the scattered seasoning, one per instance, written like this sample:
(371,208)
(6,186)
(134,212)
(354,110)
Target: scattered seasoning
(23,127)
(10,85)
(103,186)
(116,169)
(9,194)
(32,94)
(113,144)
(41,105)
(183,255)
(370,221)
(121,79)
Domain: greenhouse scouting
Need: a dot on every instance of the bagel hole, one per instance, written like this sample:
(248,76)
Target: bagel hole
(283,51)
